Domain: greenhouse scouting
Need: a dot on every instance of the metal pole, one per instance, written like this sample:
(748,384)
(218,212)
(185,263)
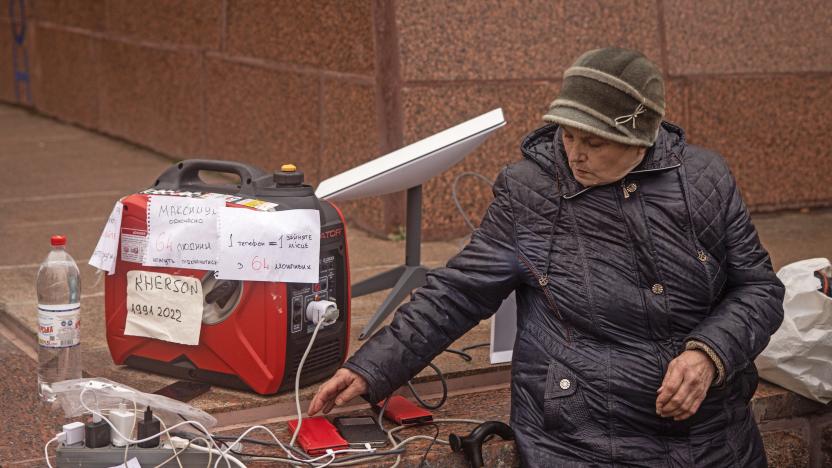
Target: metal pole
(413,232)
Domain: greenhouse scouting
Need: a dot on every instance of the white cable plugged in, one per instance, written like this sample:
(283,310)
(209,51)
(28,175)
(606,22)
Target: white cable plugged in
(297,381)
(213,451)
(321,313)
(60,437)
(216,449)
(135,411)
(326,310)
(178,442)
(369,458)
(228,458)
(286,450)
(177,451)
(74,433)
(183,444)
(417,437)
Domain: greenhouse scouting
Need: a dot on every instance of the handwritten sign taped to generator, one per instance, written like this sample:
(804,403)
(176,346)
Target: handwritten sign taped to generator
(106,251)
(182,232)
(164,307)
(269,246)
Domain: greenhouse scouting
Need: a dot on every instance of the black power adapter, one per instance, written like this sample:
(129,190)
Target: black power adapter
(96,433)
(147,428)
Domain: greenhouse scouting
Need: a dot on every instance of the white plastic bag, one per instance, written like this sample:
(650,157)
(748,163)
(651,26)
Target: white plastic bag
(799,356)
(100,393)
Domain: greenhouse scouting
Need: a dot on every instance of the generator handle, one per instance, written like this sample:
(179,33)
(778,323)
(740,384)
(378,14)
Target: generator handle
(185,175)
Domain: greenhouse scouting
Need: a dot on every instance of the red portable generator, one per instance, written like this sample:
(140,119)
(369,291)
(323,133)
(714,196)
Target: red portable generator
(253,333)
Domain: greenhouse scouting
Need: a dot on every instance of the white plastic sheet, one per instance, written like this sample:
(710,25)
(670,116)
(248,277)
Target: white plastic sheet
(799,356)
(103,393)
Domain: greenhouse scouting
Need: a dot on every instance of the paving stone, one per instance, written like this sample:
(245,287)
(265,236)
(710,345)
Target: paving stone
(786,449)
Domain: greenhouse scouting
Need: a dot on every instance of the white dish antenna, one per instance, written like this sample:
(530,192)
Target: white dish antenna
(412,165)
(407,169)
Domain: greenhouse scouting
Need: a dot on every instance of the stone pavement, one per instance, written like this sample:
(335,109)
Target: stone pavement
(57,178)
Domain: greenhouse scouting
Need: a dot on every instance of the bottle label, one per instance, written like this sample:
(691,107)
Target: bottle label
(59,326)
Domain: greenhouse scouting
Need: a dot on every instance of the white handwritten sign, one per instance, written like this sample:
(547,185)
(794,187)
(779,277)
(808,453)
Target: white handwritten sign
(104,255)
(164,307)
(182,232)
(269,246)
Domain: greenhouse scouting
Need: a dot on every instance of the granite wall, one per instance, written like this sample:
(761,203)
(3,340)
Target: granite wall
(330,84)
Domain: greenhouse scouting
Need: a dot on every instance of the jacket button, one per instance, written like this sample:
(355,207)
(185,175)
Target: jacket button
(565,384)
(657,288)
(701,256)
(632,187)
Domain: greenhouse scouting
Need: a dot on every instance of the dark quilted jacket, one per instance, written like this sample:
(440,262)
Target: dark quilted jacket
(611,282)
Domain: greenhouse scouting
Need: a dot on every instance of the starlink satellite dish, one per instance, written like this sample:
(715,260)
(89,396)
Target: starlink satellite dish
(407,169)
(412,165)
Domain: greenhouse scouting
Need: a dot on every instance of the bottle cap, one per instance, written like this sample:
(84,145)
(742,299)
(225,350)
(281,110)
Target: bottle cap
(58,240)
(288,175)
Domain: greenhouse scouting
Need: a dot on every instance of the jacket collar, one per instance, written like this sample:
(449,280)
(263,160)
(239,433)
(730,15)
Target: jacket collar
(544,146)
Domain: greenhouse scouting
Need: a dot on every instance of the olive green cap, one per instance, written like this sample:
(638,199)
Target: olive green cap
(617,94)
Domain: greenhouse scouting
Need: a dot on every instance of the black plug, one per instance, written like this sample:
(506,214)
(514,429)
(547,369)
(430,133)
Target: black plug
(147,428)
(96,433)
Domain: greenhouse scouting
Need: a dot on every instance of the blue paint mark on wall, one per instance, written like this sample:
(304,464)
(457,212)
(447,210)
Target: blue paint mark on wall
(20,56)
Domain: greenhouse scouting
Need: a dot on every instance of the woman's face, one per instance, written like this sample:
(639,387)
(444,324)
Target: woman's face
(597,161)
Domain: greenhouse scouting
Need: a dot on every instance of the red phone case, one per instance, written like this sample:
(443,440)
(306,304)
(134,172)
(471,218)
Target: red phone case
(317,435)
(402,411)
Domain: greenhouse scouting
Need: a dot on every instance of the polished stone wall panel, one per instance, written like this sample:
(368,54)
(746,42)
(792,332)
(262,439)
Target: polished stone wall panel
(85,14)
(349,127)
(6,65)
(349,138)
(151,96)
(65,79)
(676,98)
(774,133)
(430,109)
(748,36)
(333,35)
(175,22)
(261,117)
(494,39)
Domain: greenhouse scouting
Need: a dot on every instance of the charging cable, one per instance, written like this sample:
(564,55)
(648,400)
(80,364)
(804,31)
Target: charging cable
(213,448)
(321,313)
(60,438)
(444,383)
(326,311)
(397,446)
(228,459)
(182,445)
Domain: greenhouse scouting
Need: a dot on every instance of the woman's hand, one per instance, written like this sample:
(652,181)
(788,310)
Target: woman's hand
(339,389)
(685,385)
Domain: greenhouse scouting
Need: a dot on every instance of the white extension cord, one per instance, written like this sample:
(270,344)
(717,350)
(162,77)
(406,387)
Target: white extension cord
(322,314)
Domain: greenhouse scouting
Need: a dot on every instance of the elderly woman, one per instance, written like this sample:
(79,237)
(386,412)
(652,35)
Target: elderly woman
(643,293)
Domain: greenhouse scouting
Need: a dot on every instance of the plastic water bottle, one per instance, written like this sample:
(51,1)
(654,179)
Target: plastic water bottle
(59,319)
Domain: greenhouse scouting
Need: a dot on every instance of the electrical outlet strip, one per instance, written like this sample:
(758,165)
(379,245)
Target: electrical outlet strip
(105,457)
